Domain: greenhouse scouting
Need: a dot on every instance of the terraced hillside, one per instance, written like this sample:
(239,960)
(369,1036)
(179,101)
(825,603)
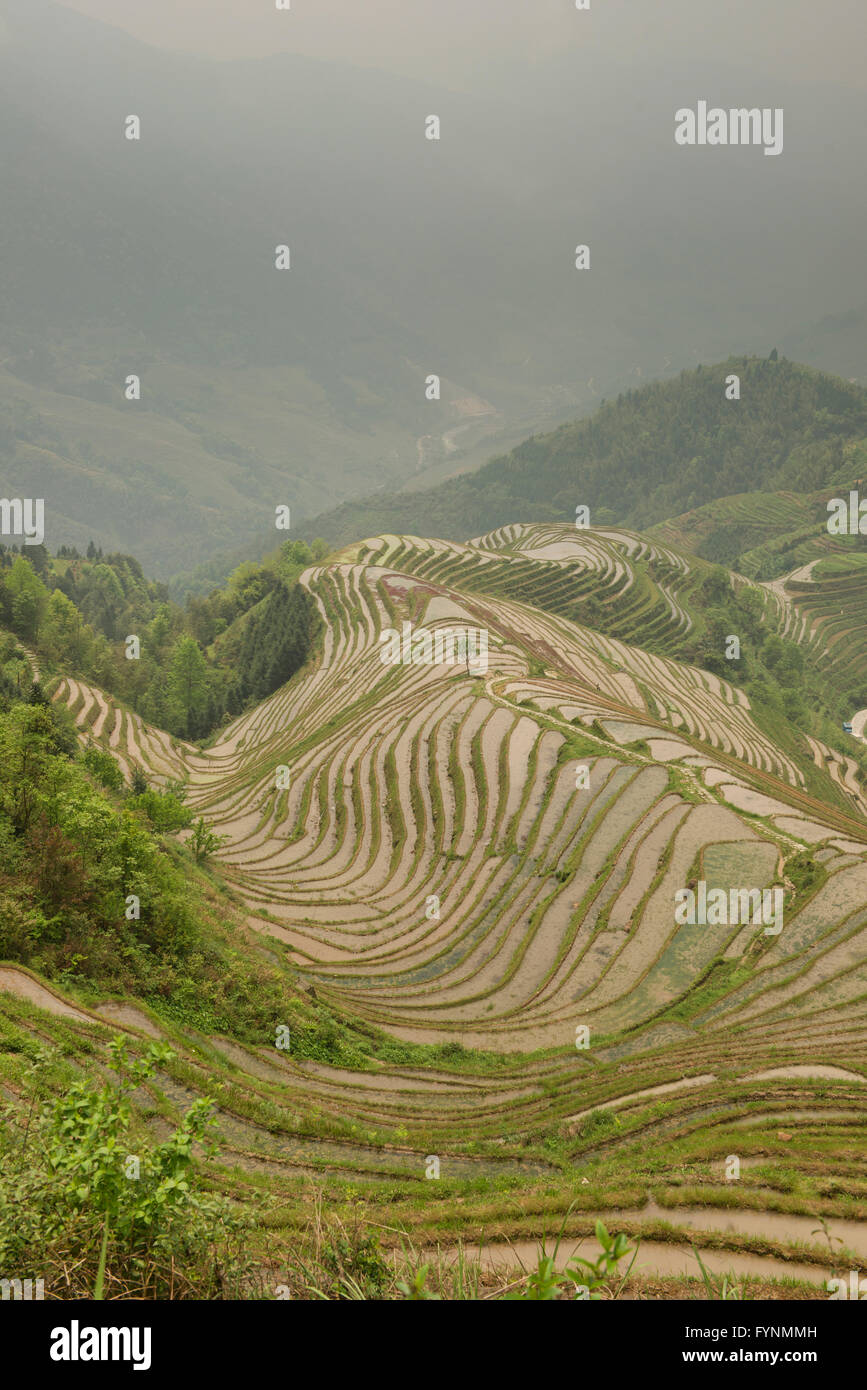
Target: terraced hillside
(766,535)
(612,579)
(474,864)
(828,598)
(820,605)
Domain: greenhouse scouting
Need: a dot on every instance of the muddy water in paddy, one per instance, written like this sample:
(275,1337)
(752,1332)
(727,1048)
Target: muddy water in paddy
(771,1224)
(662,1257)
(655,1258)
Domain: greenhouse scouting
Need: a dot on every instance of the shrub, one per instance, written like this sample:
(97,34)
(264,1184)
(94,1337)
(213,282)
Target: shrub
(164,810)
(203,841)
(139,782)
(104,768)
(80,1179)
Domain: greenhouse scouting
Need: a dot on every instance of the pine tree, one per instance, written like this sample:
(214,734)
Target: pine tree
(188,685)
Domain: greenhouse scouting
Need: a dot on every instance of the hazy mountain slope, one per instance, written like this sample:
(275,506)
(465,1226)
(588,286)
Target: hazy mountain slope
(649,455)
(837,342)
(409,258)
(158,258)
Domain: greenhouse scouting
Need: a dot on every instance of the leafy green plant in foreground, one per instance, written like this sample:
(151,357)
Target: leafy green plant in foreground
(583,1279)
(97,1212)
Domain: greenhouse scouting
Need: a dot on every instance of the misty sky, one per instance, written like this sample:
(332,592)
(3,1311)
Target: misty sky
(408,257)
(449,40)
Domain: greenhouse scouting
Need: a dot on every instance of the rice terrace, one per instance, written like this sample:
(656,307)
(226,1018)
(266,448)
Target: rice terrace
(433,673)
(494,1028)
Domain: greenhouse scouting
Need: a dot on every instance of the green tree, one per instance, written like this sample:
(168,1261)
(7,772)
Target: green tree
(30,741)
(103,601)
(28,598)
(139,783)
(188,684)
(64,637)
(203,841)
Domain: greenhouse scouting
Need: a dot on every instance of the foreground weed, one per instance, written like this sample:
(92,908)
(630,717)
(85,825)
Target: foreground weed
(725,1290)
(589,1279)
(417,1289)
(106,1214)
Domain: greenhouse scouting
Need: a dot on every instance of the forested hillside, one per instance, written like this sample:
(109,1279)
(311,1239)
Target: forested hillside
(650,454)
(186,669)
